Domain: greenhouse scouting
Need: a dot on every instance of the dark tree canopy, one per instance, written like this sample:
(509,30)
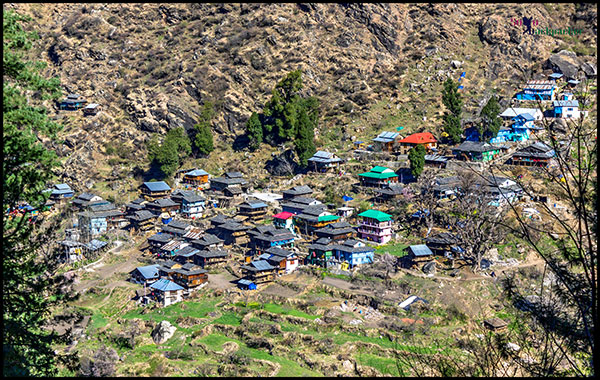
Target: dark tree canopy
(490,122)
(453,102)
(168,155)
(203,139)
(416,156)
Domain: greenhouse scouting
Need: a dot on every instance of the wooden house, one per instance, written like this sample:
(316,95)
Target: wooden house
(536,154)
(156,241)
(298,204)
(286,261)
(388,194)
(196,177)
(85,199)
(146,274)
(436,161)
(296,192)
(259,271)
(426,139)
(386,141)
(167,268)
(312,218)
(475,151)
(379,176)
(154,190)
(166,292)
(233,233)
(142,220)
(176,227)
(185,255)
(210,258)
(73,251)
(324,161)
(72,102)
(419,254)
(162,205)
(442,242)
(135,205)
(190,276)
(233,182)
(207,241)
(337,231)
(253,209)
(495,324)
(269,236)
(91,109)
(353,252)
(284,220)
(375,225)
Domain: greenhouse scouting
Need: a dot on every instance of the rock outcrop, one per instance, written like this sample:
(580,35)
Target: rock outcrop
(163,332)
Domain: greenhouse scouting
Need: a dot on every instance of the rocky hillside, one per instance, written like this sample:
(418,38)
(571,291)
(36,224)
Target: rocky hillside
(373,66)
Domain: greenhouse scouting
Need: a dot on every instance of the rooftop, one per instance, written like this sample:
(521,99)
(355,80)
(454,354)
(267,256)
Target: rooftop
(376,214)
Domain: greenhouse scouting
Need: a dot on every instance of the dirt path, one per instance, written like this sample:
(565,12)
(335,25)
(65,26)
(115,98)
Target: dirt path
(106,271)
(220,281)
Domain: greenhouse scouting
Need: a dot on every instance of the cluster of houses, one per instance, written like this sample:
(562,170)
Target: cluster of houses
(75,102)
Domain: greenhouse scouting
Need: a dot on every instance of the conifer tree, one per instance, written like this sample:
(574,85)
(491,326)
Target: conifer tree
(203,140)
(490,122)
(416,156)
(254,129)
(451,99)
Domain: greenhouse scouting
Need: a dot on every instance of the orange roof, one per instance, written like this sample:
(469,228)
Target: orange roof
(419,138)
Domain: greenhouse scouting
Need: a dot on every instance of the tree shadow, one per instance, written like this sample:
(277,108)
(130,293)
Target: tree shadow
(241,142)
(153,173)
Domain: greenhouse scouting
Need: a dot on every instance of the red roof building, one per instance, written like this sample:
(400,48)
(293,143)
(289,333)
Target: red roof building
(426,139)
(284,220)
(283,215)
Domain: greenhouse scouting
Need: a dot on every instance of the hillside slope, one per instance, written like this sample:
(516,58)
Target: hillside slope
(374,66)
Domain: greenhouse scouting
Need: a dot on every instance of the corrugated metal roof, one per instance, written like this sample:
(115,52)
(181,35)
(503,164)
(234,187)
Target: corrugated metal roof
(196,172)
(261,265)
(165,285)
(566,103)
(149,271)
(157,186)
(420,250)
(376,214)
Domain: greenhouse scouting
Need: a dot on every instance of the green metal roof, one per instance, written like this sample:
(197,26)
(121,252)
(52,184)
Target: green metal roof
(376,214)
(378,175)
(380,169)
(327,218)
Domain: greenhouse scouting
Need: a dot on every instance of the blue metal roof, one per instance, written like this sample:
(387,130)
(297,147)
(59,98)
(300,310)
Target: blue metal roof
(421,250)
(555,75)
(157,186)
(149,271)
(245,282)
(62,186)
(196,172)
(96,244)
(386,136)
(165,285)
(261,265)
(527,117)
(254,204)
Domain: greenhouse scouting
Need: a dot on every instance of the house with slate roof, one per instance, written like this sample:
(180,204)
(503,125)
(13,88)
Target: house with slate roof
(253,209)
(312,218)
(320,253)
(233,233)
(197,177)
(352,253)
(156,241)
(385,141)
(91,109)
(142,220)
(192,206)
(264,237)
(177,228)
(426,139)
(324,161)
(379,176)
(446,188)
(297,191)
(154,190)
(232,183)
(135,205)
(170,249)
(286,260)
(536,154)
(389,193)
(475,151)
(145,275)
(259,271)
(83,200)
(442,242)
(166,292)
(337,231)
(185,255)
(375,225)
(158,206)
(298,204)
(211,257)
(190,276)
(207,241)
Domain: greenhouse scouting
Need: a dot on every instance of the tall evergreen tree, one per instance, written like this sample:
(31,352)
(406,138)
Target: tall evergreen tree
(168,155)
(416,156)
(31,287)
(453,102)
(203,139)
(304,142)
(490,123)
(254,129)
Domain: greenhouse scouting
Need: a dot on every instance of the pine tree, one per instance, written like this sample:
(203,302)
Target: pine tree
(490,122)
(451,99)
(254,129)
(416,156)
(304,142)
(169,155)
(31,287)
(203,140)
